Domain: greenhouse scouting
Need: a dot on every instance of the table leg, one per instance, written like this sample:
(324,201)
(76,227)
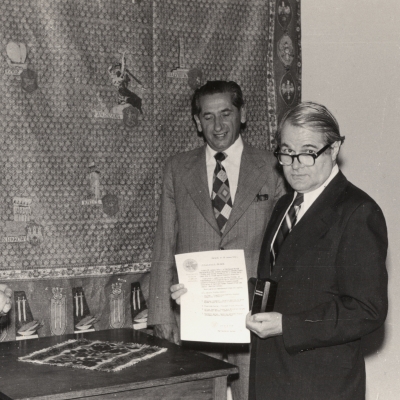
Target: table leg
(220,388)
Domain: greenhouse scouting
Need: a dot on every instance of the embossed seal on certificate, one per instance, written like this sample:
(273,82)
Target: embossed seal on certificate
(190,265)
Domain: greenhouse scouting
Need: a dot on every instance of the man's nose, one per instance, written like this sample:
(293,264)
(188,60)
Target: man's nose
(217,124)
(296,163)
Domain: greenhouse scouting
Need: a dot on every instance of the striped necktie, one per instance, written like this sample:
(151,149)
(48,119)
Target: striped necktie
(289,221)
(221,195)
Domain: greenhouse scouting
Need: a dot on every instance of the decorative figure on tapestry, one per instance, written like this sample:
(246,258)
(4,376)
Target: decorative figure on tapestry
(117,306)
(94,181)
(286,50)
(58,323)
(14,232)
(284,14)
(138,307)
(25,325)
(22,209)
(34,233)
(288,89)
(29,80)
(194,76)
(18,231)
(129,103)
(17,53)
(83,320)
(94,186)
(110,204)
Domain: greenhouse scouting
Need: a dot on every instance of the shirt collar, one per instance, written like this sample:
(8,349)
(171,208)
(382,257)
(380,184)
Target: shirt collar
(310,197)
(234,152)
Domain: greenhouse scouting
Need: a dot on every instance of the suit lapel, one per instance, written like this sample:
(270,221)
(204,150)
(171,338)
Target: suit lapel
(252,177)
(195,180)
(313,225)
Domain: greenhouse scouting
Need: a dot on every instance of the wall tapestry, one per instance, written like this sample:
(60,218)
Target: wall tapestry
(95,96)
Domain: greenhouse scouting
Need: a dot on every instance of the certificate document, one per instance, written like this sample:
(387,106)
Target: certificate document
(216,303)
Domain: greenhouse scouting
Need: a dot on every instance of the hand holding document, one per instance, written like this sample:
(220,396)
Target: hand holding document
(216,303)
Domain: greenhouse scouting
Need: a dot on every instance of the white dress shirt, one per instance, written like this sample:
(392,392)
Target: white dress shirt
(231,165)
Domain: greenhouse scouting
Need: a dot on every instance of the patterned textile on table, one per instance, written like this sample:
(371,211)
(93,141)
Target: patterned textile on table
(93,354)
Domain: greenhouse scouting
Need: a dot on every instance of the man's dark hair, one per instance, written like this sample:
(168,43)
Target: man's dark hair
(312,116)
(214,87)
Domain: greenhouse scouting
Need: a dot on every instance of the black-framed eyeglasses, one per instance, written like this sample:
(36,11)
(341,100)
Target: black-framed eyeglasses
(307,159)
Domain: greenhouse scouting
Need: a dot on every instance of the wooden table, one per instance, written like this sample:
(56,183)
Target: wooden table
(174,374)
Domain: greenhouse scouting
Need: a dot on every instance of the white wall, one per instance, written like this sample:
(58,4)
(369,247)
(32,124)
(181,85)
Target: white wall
(351,64)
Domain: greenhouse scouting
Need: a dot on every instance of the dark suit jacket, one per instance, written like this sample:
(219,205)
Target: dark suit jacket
(332,290)
(186,221)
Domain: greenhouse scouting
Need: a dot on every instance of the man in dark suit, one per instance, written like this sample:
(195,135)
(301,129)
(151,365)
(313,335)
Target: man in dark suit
(329,265)
(196,216)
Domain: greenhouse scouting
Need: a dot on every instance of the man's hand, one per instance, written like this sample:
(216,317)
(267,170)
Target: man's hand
(177,291)
(265,324)
(167,331)
(5,299)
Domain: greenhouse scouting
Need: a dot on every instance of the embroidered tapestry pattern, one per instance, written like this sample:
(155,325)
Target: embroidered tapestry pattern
(86,132)
(94,355)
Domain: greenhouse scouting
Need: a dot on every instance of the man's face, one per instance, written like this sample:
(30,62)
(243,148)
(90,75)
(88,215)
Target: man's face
(219,120)
(295,140)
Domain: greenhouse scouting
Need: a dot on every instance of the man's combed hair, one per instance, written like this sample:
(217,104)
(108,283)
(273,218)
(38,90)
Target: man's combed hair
(315,117)
(214,87)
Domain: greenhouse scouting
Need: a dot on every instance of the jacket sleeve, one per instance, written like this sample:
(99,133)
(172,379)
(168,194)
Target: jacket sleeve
(360,306)
(163,262)
(280,188)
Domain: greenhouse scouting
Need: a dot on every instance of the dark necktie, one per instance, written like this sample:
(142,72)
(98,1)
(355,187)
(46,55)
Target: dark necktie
(287,225)
(221,195)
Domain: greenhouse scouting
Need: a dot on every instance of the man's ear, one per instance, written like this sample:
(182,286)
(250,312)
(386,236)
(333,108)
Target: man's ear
(198,123)
(335,150)
(243,114)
